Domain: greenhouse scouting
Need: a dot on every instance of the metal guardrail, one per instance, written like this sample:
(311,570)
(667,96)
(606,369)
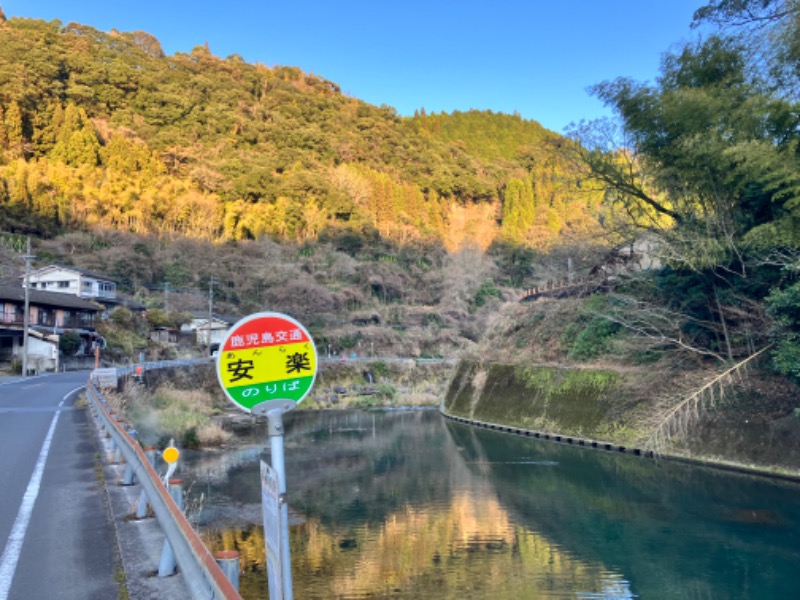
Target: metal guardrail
(162,364)
(203,576)
(346,359)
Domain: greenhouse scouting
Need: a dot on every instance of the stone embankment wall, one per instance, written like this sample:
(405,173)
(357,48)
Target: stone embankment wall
(751,431)
(579,402)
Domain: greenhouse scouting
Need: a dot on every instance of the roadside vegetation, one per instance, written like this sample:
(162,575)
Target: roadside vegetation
(168,412)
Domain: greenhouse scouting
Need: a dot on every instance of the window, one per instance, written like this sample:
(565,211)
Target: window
(63,284)
(47,317)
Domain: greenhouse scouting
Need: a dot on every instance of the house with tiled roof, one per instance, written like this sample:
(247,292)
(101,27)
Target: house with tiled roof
(84,284)
(50,315)
(211,331)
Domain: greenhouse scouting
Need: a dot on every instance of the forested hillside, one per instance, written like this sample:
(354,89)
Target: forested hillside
(103,130)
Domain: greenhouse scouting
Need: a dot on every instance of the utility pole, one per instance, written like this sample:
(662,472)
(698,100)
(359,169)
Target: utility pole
(211,283)
(166,296)
(26,317)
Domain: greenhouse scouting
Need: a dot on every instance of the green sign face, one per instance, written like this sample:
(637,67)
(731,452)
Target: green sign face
(267,361)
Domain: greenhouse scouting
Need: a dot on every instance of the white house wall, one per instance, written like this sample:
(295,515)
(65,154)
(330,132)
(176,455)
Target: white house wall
(77,284)
(54,282)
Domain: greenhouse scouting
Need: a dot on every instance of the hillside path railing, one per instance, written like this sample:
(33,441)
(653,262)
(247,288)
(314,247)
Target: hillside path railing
(555,287)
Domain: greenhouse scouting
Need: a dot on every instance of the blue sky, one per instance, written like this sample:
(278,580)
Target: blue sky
(536,57)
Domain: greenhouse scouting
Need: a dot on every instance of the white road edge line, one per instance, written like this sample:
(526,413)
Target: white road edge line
(24,379)
(13,549)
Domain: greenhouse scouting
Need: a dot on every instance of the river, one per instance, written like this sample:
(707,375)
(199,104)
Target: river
(404,504)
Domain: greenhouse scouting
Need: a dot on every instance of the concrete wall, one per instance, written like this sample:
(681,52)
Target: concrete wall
(579,402)
(755,427)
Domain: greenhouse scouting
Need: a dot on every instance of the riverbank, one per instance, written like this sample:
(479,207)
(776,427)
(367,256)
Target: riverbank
(750,427)
(186,404)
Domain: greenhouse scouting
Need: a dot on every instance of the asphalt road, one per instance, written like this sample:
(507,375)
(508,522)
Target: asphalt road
(56,533)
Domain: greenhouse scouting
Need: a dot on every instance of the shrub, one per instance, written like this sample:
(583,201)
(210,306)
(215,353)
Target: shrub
(380,368)
(190,439)
(590,339)
(69,342)
(433,319)
(386,392)
(487,291)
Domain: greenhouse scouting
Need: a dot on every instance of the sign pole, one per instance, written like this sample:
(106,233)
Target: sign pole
(275,432)
(267,365)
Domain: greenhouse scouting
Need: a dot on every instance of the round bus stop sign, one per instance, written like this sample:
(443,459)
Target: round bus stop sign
(267,361)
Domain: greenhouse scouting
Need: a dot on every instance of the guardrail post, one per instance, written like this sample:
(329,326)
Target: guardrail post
(112,450)
(143,503)
(176,491)
(168,563)
(129,476)
(228,561)
(118,457)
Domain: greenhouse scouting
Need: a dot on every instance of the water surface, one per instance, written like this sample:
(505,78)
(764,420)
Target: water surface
(408,505)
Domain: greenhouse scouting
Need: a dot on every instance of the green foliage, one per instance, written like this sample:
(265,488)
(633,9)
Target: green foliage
(69,342)
(784,308)
(592,335)
(590,339)
(160,318)
(124,318)
(737,176)
(346,342)
(190,439)
(386,392)
(157,318)
(125,334)
(514,261)
(379,368)
(519,209)
(707,157)
(487,291)
(489,135)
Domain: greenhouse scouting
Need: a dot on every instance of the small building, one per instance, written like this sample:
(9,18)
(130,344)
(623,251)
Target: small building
(164,335)
(83,284)
(209,336)
(50,315)
(74,281)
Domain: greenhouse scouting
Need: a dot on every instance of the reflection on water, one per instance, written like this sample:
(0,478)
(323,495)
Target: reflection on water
(406,505)
(467,549)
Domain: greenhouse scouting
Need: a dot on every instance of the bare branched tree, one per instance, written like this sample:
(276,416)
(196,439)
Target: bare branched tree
(658,324)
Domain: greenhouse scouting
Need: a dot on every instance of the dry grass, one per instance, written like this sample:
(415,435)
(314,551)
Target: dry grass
(212,435)
(170,412)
